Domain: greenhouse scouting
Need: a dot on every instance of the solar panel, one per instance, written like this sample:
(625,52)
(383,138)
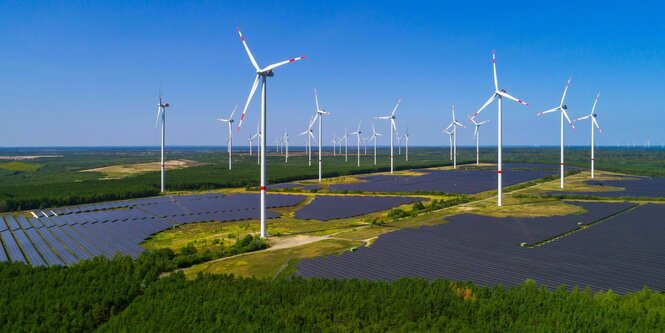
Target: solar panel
(3,255)
(447,181)
(13,250)
(633,187)
(3,225)
(12,223)
(324,208)
(57,247)
(23,222)
(49,256)
(71,244)
(36,223)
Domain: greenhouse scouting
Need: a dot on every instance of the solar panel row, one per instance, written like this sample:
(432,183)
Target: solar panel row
(28,249)
(13,251)
(49,256)
(324,208)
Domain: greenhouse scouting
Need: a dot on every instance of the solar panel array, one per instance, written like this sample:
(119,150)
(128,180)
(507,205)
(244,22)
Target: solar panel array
(327,207)
(448,181)
(86,231)
(623,252)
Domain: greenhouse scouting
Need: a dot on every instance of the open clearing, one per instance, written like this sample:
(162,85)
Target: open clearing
(125,170)
(20,166)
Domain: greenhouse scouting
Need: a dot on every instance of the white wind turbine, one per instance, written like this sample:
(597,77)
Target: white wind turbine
(258,136)
(393,129)
(357,134)
(320,113)
(562,110)
(346,146)
(593,116)
(251,138)
(399,144)
(450,140)
(454,123)
(406,142)
(374,136)
(161,117)
(476,134)
(334,142)
(310,136)
(278,145)
(263,74)
(229,138)
(285,140)
(500,94)
(365,145)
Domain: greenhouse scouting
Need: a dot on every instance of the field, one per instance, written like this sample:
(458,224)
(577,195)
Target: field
(195,237)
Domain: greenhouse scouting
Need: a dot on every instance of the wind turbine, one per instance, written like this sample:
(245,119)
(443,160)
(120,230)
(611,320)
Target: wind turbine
(365,145)
(399,144)
(562,110)
(251,138)
(476,134)
(393,128)
(357,134)
(454,123)
(285,140)
(310,136)
(263,74)
(258,136)
(334,142)
(346,146)
(278,145)
(320,113)
(500,94)
(229,138)
(593,116)
(373,137)
(161,117)
(450,140)
(406,142)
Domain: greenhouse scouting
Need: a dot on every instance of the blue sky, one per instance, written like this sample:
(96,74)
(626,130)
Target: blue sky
(80,73)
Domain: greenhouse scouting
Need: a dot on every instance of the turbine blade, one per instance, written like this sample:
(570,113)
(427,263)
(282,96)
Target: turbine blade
(566,115)
(548,111)
(582,118)
(249,99)
(593,109)
(396,106)
(159,114)
(475,132)
(505,94)
(596,123)
(316,97)
(234,112)
(472,120)
(565,90)
(490,100)
(275,65)
(496,81)
(482,122)
(249,53)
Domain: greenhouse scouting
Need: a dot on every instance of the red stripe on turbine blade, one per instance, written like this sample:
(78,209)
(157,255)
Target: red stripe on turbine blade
(500,172)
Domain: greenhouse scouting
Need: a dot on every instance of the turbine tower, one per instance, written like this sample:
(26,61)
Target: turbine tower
(346,146)
(334,142)
(393,129)
(406,142)
(357,134)
(373,137)
(500,94)
(161,117)
(593,116)
(263,74)
(562,110)
(476,134)
(320,113)
(450,140)
(454,123)
(399,143)
(229,138)
(286,146)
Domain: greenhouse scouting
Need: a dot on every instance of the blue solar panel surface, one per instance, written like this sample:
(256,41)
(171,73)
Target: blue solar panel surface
(623,253)
(13,251)
(328,207)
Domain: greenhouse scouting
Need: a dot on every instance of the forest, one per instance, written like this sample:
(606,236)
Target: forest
(125,295)
(51,182)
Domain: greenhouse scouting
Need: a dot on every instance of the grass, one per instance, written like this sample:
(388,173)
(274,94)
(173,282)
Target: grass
(267,263)
(201,235)
(20,166)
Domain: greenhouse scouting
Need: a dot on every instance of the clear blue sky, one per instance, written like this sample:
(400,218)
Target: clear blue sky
(79,73)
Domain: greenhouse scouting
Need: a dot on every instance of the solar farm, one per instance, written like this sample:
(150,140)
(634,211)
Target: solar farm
(536,236)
